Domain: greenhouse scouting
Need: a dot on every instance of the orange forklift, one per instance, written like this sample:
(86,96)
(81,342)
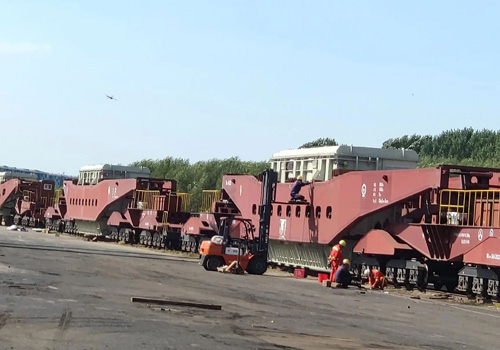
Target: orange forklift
(248,251)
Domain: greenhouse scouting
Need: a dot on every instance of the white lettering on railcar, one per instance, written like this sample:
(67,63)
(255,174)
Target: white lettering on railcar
(465,241)
(378,191)
(480,234)
(282,231)
(492,256)
(492,232)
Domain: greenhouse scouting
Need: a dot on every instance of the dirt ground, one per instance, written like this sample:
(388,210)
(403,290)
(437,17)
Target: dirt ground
(66,293)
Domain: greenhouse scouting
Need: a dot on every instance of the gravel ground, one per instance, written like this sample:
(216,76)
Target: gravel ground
(67,293)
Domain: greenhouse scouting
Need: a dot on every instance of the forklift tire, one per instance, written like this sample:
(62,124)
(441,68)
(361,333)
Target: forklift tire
(212,262)
(257,266)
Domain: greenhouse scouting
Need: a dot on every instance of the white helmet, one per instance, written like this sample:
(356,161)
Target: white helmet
(366,273)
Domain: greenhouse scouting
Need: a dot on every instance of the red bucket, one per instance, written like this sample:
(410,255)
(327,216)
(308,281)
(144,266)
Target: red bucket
(299,273)
(322,277)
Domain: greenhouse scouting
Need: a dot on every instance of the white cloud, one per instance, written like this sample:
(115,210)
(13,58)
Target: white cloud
(12,48)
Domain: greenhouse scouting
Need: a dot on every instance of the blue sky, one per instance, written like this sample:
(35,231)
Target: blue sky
(214,79)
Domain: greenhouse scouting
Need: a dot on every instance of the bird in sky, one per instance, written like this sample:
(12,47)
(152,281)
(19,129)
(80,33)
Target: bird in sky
(111,97)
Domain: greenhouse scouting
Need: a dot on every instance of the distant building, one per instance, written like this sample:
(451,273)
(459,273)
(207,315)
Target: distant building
(40,175)
(92,174)
(322,163)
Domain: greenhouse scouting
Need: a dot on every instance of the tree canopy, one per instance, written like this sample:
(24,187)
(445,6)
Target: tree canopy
(203,175)
(459,147)
(321,142)
(462,146)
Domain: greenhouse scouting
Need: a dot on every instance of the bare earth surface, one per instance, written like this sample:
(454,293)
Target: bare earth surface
(66,293)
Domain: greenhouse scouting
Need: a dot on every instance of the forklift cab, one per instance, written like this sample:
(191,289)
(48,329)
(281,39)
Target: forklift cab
(227,247)
(237,232)
(248,251)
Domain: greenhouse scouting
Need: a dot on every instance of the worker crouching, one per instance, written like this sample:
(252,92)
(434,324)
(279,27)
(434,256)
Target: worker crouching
(376,279)
(295,192)
(343,277)
(335,259)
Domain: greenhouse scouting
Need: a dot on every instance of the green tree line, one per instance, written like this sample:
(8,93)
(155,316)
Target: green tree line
(202,175)
(457,147)
(321,142)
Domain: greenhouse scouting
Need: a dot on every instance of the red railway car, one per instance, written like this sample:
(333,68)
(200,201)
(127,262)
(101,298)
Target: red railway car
(434,225)
(121,203)
(24,199)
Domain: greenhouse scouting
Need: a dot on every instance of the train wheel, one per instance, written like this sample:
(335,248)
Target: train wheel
(213,262)
(197,245)
(157,240)
(122,235)
(128,236)
(48,224)
(113,234)
(17,220)
(137,237)
(149,239)
(31,222)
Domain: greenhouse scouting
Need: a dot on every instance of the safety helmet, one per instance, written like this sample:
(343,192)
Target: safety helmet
(342,243)
(346,262)
(299,178)
(366,273)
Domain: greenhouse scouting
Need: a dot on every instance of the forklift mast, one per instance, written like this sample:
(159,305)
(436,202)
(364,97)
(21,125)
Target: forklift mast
(267,197)
(268,194)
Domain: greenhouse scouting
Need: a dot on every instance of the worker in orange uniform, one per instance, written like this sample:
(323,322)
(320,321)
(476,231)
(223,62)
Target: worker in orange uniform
(335,259)
(376,279)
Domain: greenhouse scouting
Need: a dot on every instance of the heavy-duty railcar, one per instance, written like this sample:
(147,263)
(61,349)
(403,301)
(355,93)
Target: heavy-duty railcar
(24,199)
(434,225)
(124,204)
